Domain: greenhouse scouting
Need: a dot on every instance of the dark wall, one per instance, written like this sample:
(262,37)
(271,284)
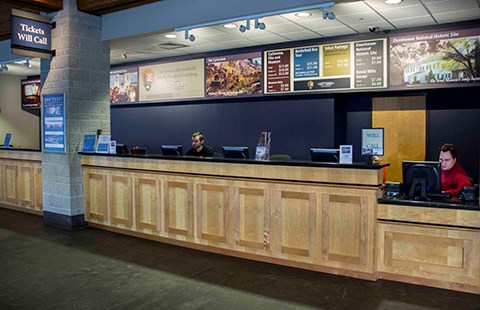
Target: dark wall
(453,116)
(297,123)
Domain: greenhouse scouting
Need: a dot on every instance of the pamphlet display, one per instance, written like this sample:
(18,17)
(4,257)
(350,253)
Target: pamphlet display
(372,141)
(262,151)
(346,154)
(103,144)
(54,123)
(88,145)
(6,141)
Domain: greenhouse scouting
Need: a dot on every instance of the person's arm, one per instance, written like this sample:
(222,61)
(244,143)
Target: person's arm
(208,152)
(461,180)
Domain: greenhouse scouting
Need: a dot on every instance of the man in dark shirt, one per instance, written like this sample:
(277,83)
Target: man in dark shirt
(198,147)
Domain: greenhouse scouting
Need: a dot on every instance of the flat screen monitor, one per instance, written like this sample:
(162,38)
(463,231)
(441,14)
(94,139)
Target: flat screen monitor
(324,155)
(421,178)
(235,152)
(172,150)
(121,149)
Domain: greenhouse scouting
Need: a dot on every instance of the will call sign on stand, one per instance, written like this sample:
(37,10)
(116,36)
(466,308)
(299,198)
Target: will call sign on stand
(30,34)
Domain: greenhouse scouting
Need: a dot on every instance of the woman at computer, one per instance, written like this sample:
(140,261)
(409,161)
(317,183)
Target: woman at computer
(454,178)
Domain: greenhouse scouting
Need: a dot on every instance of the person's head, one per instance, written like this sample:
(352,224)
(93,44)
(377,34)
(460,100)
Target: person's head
(197,140)
(447,155)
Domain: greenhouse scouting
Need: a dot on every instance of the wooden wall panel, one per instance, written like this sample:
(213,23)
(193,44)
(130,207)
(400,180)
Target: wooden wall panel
(251,208)
(120,204)
(38,189)
(213,212)
(179,208)
(404,120)
(95,197)
(11,183)
(2,185)
(26,181)
(147,203)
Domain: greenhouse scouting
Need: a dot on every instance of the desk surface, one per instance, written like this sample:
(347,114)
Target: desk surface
(451,203)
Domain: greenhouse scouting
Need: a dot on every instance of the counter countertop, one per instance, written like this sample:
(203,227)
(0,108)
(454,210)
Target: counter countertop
(451,203)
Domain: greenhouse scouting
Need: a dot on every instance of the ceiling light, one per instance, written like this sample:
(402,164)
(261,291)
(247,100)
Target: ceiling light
(392,1)
(124,56)
(189,37)
(170,35)
(230,26)
(303,14)
(28,64)
(3,68)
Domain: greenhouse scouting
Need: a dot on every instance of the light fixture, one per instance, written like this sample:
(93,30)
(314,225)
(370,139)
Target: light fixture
(392,1)
(303,14)
(327,14)
(3,68)
(189,37)
(124,55)
(170,36)
(28,64)
(257,24)
(230,26)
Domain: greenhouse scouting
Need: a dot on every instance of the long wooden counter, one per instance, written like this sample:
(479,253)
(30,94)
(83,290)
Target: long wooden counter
(313,216)
(21,180)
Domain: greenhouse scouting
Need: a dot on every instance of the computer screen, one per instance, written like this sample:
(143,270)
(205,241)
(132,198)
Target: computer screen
(324,155)
(172,150)
(421,178)
(235,152)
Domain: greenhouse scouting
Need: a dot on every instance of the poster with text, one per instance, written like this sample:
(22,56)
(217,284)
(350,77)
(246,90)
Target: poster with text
(306,62)
(54,123)
(370,67)
(233,75)
(175,80)
(435,59)
(336,59)
(124,85)
(31,94)
(277,73)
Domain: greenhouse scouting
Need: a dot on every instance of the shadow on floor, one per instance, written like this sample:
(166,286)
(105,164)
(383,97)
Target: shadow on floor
(45,267)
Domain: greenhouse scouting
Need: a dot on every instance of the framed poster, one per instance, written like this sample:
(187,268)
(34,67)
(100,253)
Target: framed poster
(54,137)
(372,141)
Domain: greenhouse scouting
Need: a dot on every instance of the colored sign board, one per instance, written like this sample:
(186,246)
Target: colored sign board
(369,64)
(30,34)
(440,58)
(31,94)
(54,138)
(233,75)
(336,59)
(277,71)
(175,80)
(124,85)
(306,61)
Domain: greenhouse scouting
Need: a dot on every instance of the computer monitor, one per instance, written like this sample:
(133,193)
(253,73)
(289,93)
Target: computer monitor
(421,178)
(235,152)
(172,150)
(324,155)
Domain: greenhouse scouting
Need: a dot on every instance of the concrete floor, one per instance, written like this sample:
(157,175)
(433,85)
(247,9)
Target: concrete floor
(42,267)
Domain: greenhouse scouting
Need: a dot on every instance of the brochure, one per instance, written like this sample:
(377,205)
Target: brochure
(346,154)
(6,141)
(103,144)
(88,145)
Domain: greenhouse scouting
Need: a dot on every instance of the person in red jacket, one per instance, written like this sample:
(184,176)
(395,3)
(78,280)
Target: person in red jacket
(454,178)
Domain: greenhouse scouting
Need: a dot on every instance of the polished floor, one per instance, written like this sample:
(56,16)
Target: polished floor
(42,267)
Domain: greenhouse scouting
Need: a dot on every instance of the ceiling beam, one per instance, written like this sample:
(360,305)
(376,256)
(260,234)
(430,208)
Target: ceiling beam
(101,7)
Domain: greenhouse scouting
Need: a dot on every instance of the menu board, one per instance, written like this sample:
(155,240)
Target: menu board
(278,71)
(124,85)
(369,64)
(233,75)
(435,59)
(336,66)
(175,80)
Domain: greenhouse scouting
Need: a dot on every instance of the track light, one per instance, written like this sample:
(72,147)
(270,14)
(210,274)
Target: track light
(327,14)
(245,27)
(257,24)
(124,55)
(28,64)
(190,37)
(3,68)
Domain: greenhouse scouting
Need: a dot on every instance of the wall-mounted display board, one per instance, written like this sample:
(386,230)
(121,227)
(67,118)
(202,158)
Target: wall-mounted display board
(124,85)
(31,94)
(54,123)
(348,65)
(174,80)
(448,58)
(233,75)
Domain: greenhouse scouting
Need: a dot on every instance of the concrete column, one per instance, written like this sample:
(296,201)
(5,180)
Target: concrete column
(80,70)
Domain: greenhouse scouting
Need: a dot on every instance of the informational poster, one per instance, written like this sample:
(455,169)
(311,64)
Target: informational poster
(370,64)
(124,85)
(372,141)
(175,80)
(233,75)
(306,62)
(31,94)
(435,59)
(277,74)
(54,123)
(336,59)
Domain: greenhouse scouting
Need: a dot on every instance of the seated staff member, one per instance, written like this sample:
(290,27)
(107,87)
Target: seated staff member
(198,146)
(454,178)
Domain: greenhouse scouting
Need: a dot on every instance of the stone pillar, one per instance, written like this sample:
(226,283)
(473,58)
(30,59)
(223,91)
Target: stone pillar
(80,70)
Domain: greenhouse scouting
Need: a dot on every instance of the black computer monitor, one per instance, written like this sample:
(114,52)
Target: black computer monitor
(421,178)
(324,155)
(235,152)
(172,150)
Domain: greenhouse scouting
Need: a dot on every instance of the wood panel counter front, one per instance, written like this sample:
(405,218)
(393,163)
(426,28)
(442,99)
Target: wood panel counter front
(315,216)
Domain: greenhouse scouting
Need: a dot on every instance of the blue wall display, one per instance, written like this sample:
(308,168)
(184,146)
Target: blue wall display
(54,137)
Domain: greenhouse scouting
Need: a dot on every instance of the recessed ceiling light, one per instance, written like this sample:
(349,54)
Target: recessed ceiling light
(170,35)
(392,1)
(303,14)
(230,26)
